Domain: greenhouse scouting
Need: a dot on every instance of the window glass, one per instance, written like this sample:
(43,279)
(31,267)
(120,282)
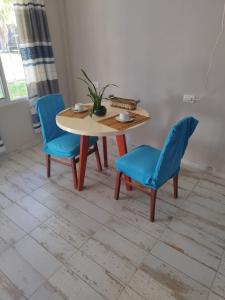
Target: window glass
(9,53)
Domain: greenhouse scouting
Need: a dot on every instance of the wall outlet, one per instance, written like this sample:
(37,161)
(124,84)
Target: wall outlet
(190,98)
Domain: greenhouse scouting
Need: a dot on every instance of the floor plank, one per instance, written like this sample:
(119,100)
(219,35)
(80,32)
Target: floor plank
(57,243)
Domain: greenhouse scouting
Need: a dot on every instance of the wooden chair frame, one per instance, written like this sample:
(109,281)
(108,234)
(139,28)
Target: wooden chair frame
(150,192)
(72,163)
(105,151)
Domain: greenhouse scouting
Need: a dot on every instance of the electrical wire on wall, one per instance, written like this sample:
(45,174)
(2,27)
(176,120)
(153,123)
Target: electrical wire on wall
(212,55)
(211,62)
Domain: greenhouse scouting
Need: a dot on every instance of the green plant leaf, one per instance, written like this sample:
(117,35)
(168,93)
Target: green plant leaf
(96,96)
(88,95)
(85,81)
(105,87)
(92,94)
(89,80)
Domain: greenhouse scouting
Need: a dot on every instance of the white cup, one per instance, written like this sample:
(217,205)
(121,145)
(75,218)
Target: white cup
(79,106)
(124,116)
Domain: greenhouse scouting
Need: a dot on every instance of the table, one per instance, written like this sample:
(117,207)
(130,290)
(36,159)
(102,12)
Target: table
(89,126)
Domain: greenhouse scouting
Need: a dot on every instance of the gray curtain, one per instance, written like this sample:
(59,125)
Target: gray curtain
(36,51)
(2,147)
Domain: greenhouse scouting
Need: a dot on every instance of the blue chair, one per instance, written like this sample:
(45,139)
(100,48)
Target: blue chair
(58,143)
(149,168)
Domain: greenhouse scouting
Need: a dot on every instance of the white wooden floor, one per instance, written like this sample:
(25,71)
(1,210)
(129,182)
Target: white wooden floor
(57,243)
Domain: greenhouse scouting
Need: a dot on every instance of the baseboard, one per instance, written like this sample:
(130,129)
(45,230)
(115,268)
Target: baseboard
(202,167)
(37,140)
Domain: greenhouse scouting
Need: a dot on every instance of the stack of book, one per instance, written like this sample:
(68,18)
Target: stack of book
(128,104)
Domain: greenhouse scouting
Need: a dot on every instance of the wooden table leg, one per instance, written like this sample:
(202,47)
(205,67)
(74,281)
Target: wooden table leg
(84,142)
(122,147)
(105,151)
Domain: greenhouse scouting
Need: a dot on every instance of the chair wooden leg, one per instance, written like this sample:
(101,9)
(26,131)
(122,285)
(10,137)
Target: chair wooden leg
(153,194)
(84,140)
(98,160)
(175,186)
(105,151)
(48,164)
(117,187)
(74,172)
(122,147)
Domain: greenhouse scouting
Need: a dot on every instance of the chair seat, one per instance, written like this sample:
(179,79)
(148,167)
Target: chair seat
(139,164)
(66,145)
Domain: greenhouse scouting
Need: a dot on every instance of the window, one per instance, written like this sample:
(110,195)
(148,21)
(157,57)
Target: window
(12,79)
(2,94)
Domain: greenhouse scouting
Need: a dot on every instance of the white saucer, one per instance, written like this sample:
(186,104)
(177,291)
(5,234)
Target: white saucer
(80,111)
(124,121)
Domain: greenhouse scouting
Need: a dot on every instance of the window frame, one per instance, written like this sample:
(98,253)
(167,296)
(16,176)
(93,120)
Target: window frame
(6,99)
(3,84)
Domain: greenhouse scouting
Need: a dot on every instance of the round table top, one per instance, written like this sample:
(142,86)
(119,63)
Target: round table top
(90,126)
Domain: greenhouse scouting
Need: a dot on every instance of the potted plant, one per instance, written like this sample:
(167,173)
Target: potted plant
(96,95)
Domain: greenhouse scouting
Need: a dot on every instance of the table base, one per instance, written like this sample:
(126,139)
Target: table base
(84,143)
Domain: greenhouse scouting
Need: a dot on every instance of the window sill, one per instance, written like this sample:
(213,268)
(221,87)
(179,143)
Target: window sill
(4,103)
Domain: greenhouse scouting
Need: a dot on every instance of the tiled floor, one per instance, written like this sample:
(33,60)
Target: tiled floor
(56,243)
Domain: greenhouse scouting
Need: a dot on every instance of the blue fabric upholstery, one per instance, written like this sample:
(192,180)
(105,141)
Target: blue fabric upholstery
(139,164)
(152,167)
(56,141)
(47,108)
(66,145)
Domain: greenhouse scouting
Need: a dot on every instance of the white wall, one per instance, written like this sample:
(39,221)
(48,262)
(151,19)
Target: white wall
(15,119)
(156,51)
(15,126)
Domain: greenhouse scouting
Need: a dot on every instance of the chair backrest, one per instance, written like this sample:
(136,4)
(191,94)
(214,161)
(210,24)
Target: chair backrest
(173,150)
(47,108)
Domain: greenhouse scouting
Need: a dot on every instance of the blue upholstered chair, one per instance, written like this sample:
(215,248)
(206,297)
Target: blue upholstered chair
(149,168)
(58,143)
